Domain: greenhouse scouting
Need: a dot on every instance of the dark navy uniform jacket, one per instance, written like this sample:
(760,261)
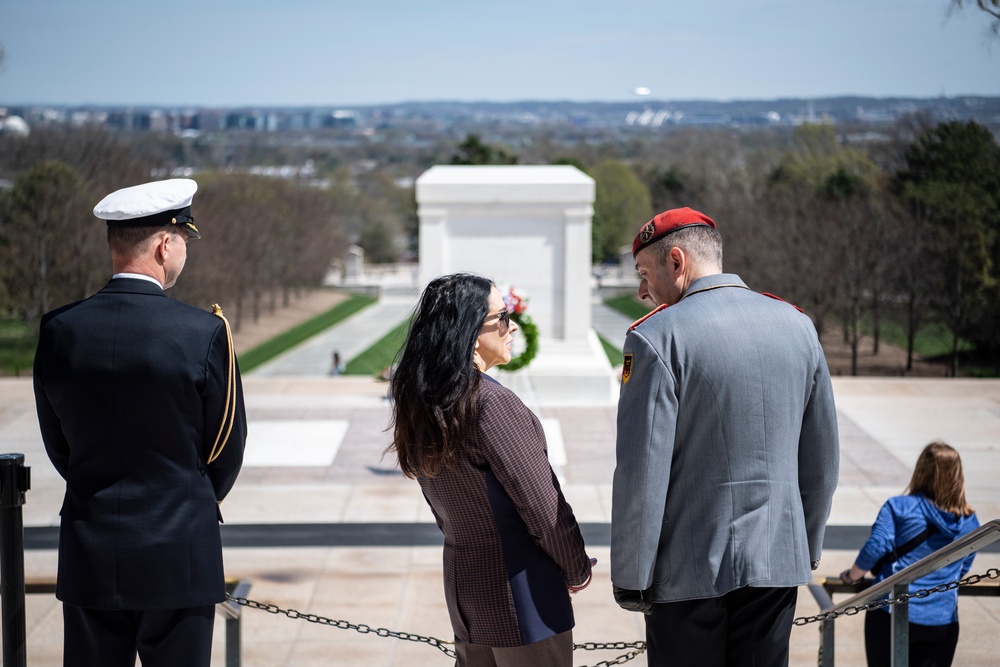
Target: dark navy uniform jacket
(130,388)
(511,542)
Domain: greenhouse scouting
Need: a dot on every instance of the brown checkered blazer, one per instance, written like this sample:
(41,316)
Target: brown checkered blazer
(512,544)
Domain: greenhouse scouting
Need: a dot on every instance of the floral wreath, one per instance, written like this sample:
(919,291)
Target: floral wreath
(517,304)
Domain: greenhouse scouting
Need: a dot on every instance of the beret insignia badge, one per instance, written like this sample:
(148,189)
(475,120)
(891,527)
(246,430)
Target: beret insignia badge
(647,232)
(626,368)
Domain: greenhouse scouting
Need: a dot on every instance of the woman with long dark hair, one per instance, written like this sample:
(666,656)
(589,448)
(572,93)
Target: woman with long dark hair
(513,552)
(932,514)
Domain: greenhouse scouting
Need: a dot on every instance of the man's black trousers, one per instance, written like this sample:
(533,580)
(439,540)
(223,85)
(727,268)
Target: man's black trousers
(746,627)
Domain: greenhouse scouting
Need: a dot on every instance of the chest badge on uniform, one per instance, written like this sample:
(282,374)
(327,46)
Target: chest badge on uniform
(626,368)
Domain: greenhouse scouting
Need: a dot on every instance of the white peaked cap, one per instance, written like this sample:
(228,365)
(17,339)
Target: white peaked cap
(140,201)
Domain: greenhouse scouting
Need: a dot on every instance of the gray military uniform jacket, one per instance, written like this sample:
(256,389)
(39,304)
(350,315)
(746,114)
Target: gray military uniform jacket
(727,451)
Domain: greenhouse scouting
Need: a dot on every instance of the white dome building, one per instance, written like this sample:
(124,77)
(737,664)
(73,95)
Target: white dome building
(14,126)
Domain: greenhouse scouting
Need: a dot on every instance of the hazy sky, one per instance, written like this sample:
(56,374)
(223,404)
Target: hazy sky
(331,52)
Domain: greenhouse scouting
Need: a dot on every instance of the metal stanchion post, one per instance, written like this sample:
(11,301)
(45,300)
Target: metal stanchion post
(900,628)
(15,479)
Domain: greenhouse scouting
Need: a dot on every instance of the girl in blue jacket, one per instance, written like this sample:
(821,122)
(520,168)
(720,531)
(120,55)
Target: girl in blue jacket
(931,515)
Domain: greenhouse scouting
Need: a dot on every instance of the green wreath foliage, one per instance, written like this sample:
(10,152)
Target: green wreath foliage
(530,332)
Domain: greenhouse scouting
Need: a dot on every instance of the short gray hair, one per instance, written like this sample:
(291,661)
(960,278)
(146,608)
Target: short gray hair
(702,243)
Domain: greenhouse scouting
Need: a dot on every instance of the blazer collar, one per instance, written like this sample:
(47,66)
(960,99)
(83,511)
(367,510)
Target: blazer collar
(487,377)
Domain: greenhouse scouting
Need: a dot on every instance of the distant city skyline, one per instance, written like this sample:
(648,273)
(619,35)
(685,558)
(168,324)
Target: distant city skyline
(323,53)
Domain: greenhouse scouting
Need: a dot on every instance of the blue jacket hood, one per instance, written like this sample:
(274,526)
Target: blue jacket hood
(946,523)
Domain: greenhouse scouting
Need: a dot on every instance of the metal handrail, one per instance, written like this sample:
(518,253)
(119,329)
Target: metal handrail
(897,586)
(961,548)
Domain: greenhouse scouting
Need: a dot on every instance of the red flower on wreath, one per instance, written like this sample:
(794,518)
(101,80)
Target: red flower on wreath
(515,302)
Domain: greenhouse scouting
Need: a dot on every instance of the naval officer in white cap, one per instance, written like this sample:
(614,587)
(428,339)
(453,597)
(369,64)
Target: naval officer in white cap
(141,410)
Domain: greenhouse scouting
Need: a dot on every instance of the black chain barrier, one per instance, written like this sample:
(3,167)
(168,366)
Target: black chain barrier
(637,648)
(992,573)
(441,645)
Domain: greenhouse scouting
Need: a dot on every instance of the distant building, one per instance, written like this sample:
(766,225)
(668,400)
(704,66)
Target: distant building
(14,126)
(346,120)
(254,121)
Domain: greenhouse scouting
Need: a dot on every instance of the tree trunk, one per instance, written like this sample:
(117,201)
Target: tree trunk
(876,320)
(954,356)
(855,332)
(911,329)
(239,312)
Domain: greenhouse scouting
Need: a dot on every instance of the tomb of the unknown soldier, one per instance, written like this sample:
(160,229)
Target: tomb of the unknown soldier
(527,227)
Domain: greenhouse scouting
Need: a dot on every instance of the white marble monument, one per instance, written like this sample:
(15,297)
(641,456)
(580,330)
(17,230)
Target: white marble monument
(354,268)
(527,227)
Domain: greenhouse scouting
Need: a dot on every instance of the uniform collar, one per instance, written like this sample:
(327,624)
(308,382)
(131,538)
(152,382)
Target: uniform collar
(138,276)
(713,281)
(129,283)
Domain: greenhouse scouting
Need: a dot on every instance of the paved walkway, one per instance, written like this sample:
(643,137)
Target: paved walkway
(350,338)
(315,460)
(610,324)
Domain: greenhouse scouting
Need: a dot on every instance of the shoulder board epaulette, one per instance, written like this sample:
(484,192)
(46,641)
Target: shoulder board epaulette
(778,298)
(646,316)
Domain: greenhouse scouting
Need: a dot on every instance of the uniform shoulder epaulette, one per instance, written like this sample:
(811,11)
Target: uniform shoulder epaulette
(646,316)
(778,298)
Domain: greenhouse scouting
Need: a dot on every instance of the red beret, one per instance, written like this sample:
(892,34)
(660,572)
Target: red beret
(667,222)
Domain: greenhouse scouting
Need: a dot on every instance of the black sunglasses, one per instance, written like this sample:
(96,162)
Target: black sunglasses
(502,316)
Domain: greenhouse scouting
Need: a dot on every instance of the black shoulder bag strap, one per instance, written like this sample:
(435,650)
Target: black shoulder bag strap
(901,551)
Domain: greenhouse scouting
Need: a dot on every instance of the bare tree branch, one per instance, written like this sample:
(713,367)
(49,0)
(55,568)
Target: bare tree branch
(991,7)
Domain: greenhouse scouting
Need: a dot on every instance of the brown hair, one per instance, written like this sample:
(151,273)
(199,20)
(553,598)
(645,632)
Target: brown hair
(938,476)
(130,241)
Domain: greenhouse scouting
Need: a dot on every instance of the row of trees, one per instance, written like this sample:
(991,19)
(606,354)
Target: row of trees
(919,238)
(263,239)
(902,226)
(910,226)
(906,224)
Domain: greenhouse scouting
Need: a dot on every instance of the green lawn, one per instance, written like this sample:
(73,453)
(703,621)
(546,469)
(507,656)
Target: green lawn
(629,306)
(289,339)
(17,341)
(379,356)
(17,347)
(613,351)
(931,341)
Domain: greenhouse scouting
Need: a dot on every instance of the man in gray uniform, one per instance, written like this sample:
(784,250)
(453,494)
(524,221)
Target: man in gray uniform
(727,455)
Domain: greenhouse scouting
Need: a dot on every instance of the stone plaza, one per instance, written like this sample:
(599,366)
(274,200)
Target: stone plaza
(326,525)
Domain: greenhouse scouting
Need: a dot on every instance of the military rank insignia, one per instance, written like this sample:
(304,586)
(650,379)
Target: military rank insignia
(626,368)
